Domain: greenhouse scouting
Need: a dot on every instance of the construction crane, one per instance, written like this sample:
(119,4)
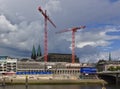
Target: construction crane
(74,29)
(46,18)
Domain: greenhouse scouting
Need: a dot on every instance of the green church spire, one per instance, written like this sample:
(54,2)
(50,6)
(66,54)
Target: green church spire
(109,56)
(39,51)
(33,56)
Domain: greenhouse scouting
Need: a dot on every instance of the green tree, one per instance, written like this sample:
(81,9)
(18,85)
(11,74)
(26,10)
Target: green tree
(118,68)
(112,68)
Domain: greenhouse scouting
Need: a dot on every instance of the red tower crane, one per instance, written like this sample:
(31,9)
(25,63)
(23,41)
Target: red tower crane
(46,17)
(74,29)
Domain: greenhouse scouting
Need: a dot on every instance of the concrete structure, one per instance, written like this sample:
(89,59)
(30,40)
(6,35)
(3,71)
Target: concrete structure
(110,76)
(104,65)
(55,68)
(113,64)
(8,65)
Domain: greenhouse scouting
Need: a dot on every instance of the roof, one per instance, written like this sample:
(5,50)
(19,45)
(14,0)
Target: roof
(58,54)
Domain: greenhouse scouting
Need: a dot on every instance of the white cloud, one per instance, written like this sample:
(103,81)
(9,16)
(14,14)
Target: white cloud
(82,44)
(100,56)
(21,36)
(93,38)
(5,25)
(21,25)
(97,38)
(53,6)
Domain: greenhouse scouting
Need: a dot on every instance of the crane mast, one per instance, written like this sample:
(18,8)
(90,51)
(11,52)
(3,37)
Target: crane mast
(73,39)
(46,18)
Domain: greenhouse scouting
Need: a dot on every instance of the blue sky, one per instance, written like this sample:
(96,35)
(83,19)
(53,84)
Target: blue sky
(21,27)
(114,0)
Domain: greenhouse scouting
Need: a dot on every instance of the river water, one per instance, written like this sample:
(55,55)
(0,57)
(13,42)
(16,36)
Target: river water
(59,87)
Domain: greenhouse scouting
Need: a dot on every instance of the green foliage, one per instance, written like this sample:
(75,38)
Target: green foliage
(113,68)
(118,67)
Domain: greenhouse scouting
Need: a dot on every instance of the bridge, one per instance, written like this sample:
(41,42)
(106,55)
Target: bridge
(110,76)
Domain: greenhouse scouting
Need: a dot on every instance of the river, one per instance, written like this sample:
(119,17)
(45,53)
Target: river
(59,87)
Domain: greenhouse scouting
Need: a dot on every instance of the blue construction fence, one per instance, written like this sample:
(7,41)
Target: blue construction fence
(32,73)
(88,70)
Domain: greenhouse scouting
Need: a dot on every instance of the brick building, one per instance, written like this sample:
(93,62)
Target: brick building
(57,57)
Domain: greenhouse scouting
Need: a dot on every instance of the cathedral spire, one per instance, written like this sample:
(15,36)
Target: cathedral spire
(33,55)
(39,51)
(109,56)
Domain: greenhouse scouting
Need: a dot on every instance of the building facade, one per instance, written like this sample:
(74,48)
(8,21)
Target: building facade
(110,65)
(57,57)
(8,65)
(52,67)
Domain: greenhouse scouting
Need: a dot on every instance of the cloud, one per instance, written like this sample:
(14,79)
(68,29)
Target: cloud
(87,42)
(85,12)
(21,26)
(5,25)
(53,6)
(21,36)
(93,37)
(114,55)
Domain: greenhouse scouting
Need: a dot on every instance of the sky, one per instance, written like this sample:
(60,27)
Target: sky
(22,26)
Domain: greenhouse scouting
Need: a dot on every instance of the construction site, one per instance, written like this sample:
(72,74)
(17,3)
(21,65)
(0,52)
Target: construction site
(58,65)
(56,57)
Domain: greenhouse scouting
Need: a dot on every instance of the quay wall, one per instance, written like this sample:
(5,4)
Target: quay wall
(45,80)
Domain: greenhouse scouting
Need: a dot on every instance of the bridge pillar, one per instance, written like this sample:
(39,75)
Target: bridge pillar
(117,78)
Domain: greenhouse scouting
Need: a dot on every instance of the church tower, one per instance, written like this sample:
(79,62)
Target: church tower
(39,52)
(33,55)
(109,56)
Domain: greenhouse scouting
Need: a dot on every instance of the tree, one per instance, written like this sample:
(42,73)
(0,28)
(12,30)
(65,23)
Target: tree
(118,68)
(112,68)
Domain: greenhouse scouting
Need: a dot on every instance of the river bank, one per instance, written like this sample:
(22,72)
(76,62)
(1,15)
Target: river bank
(49,80)
(52,82)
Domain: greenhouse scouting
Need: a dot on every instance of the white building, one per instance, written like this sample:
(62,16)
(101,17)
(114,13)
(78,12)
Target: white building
(8,65)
